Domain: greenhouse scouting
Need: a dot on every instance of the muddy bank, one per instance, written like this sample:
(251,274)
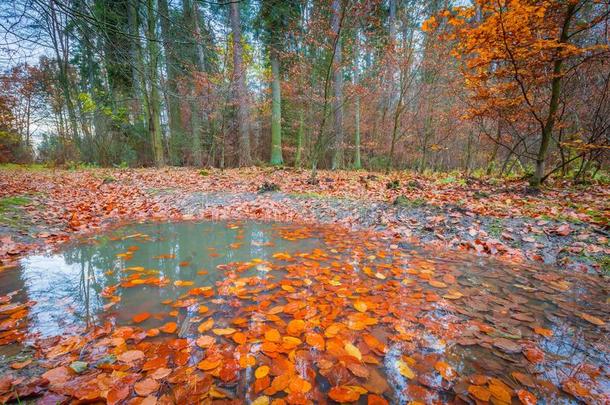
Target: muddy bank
(581,247)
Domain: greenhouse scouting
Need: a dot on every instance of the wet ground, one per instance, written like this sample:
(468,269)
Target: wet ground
(179,312)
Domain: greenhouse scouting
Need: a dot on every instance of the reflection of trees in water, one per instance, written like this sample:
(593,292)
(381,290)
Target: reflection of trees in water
(94,261)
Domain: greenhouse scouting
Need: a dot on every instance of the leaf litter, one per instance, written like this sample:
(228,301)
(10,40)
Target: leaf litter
(323,324)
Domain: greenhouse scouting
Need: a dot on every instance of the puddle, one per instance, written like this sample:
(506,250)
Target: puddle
(329,312)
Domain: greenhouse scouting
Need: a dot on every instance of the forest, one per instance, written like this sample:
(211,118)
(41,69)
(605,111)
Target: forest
(299,202)
(499,87)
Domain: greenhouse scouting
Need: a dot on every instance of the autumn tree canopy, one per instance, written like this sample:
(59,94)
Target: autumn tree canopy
(517,86)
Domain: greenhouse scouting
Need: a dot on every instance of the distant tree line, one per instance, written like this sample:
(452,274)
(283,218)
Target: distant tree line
(518,86)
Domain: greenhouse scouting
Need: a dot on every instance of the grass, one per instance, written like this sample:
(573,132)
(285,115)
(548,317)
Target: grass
(495,228)
(10,210)
(405,202)
(8,203)
(604,263)
(32,167)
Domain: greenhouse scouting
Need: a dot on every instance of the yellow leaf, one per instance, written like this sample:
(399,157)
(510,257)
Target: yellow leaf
(353,351)
(223,331)
(592,319)
(404,369)
(262,400)
(360,306)
(206,326)
(261,372)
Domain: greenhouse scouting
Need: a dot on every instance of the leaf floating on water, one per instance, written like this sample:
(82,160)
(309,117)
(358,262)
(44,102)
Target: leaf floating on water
(453,295)
(526,397)
(507,346)
(146,387)
(208,364)
(374,399)
(140,317)
(574,387)
(533,354)
(500,390)
(591,319)
(445,370)
(165,256)
(437,284)
(360,306)
(169,327)
(344,394)
(273,335)
(295,327)
(479,392)
(223,331)
(22,364)
(205,326)
(315,340)
(353,351)
(261,372)
(543,331)
(78,366)
(524,379)
(404,369)
(262,400)
(131,356)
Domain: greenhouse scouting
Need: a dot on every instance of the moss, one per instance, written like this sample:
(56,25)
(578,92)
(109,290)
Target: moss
(495,228)
(402,201)
(10,203)
(10,210)
(604,264)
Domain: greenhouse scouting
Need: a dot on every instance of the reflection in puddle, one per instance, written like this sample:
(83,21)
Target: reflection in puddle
(330,313)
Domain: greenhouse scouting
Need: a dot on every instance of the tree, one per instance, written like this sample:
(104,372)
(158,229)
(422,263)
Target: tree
(516,59)
(275,20)
(154,102)
(240,89)
(337,159)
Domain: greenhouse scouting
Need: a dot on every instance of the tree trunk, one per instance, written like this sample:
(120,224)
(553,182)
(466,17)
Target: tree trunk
(357,161)
(276,111)
(61,48)
(547,130)
(154,102)
(173,101)
(300,134)
(337,159)
(240,92)
(196,112)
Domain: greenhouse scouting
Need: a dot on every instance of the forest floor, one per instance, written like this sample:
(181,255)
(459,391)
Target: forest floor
(416,327)
(562,224)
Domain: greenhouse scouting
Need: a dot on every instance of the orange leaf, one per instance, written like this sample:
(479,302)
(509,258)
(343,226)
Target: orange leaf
(169,327)
(261,372)
(526,397)
(207,364)
(376,400)
(272,335)
(315,340)
(223,331)
(343,394)
(131,356)
(445,370)
(295,327)
(479,392)
(206,325)
(239,338)
(146,387)
(140,317)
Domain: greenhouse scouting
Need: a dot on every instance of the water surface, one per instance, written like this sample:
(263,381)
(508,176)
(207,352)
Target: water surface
(455,321)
